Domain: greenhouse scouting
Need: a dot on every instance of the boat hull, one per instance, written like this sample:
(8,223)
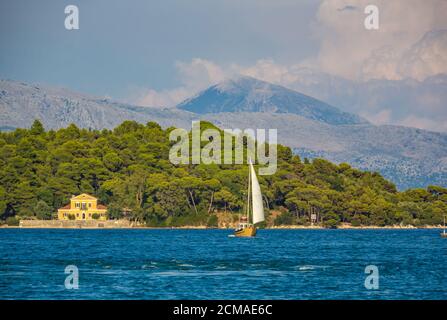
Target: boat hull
(443,235)
(249,231)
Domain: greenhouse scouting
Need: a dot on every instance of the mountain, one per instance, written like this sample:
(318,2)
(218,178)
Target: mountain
(21,103)
(246,94)
(407,156)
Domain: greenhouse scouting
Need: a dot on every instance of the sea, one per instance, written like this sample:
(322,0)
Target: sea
(211,264)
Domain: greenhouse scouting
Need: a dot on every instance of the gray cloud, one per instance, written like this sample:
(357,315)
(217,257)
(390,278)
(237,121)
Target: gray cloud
(347,49)
(347,8)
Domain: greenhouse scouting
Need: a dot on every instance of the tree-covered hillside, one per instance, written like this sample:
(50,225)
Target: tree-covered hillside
(128,167)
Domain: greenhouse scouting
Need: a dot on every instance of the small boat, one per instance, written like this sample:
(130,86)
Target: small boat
(245,228)
(443,233)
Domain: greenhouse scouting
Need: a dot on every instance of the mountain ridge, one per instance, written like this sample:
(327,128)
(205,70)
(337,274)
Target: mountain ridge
(247,94)
(21,103)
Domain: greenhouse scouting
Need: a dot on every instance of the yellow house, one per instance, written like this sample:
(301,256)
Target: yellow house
(83,207)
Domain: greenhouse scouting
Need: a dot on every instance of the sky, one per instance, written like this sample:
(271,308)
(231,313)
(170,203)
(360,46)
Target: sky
(157,53)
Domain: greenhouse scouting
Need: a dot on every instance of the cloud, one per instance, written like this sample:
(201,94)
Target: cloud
(348,7)
(164,98)
(381,64)
(426,57)
(424,123)
(379,118)
(267,70)
(411,43)
(347,49)
(199,73)
(194,76)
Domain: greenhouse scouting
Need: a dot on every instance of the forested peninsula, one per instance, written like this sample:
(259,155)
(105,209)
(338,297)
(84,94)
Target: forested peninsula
(129,171)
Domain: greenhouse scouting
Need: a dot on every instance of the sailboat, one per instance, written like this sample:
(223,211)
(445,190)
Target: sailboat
(443,234)
(245,228)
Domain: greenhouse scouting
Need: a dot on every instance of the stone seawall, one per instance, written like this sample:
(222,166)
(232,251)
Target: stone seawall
(73,224)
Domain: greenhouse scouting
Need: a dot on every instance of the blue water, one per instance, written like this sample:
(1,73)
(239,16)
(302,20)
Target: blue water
(207,264)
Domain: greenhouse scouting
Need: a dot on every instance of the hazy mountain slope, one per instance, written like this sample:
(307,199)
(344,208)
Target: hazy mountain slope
(245,94)
(21,103)
(409,157)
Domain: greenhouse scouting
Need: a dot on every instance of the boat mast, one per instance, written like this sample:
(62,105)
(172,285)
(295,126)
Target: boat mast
(248,195)
(444,223)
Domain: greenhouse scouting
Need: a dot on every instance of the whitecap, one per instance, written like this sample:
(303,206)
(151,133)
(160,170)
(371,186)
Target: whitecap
(308,267)
(304,268)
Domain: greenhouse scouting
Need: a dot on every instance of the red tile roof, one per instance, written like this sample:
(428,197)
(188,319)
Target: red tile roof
(66,207)
(100,206)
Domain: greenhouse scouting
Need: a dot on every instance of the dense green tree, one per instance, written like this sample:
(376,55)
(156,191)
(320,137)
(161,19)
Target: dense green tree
(37,128)
(42,210)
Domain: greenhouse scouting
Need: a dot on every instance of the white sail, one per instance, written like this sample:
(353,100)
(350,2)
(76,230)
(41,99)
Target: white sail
(256,196)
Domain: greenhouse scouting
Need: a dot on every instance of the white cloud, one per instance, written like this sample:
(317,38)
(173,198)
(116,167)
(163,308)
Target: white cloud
(164,98)
(349,50)
(426,57)
(286,75)
(194,76)
(381,64)
(199,73)
(267,70)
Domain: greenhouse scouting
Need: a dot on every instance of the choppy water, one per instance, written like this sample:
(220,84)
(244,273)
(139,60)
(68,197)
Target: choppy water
(207,264)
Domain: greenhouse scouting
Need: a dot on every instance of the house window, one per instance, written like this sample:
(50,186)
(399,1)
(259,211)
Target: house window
(89,205)
(77,204)
(83,206)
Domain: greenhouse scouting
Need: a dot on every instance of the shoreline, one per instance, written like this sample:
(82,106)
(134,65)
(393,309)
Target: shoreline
(290,227)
